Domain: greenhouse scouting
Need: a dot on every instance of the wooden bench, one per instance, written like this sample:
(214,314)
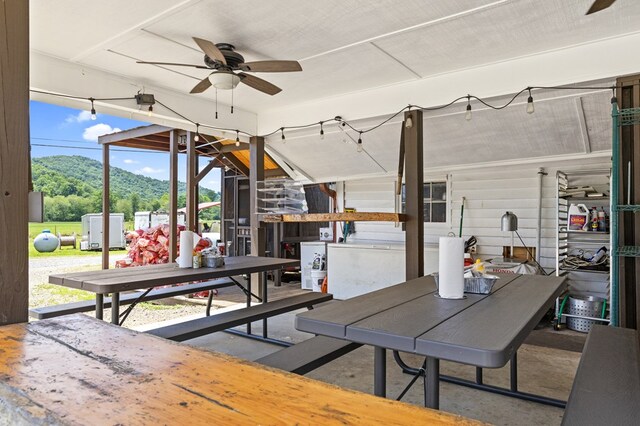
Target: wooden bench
(308,355)
(218,322)
(128,298)
(606,389)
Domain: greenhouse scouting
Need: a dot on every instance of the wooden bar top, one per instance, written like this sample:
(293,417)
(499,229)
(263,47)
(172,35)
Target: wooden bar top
(140,277)
(78,370)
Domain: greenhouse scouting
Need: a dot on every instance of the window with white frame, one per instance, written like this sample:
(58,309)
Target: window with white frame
(435,201)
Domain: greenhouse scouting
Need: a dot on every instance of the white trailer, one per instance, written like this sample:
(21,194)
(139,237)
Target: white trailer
(92,231)
(144,220)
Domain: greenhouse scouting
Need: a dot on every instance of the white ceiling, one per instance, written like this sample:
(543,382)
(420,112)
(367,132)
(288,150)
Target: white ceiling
(351,48)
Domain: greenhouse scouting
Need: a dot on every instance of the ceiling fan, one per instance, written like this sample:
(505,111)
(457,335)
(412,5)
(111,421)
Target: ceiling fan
(599,5)
(224,62)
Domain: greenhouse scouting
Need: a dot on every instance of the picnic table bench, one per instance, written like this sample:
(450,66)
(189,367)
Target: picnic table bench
(606,389)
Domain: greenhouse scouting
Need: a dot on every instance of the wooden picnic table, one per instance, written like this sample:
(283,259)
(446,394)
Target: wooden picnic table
(114,281)
(69,371)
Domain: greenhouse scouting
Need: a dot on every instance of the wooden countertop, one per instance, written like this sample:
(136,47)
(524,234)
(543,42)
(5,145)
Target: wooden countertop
(78,370)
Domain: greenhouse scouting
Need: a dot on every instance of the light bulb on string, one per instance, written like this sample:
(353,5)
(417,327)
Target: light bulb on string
(237,138)
(321,131)
(530,107)
(359,149)
(283,138)
(150,112)
(197,136)
(93,110)
(408,122)
(467,115)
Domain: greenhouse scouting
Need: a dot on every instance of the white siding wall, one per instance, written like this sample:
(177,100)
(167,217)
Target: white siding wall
(489,192)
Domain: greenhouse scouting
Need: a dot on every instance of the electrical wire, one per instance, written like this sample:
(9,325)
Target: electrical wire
(337,118)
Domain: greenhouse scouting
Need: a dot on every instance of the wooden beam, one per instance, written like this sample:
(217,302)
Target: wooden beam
(582,123)
(133,133)
(192,205)
(14,161)
(238,165)
(105,206)
(414,183)
(258,231)
(173,195)
(336,217)
(206,170)
(232,148)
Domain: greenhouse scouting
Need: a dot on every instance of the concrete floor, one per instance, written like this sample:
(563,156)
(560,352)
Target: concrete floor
(542,370)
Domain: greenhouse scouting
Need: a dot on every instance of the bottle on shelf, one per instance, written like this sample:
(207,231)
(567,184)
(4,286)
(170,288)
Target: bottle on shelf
(594,219)
(602,221)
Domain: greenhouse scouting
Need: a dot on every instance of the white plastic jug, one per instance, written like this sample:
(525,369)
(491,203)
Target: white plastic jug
(578,217)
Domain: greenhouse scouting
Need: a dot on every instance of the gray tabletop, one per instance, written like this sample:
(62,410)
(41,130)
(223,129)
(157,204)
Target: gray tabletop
(606,390)
(481,330)
(123,279)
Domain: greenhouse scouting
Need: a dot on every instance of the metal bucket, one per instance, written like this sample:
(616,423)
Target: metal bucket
(586,306)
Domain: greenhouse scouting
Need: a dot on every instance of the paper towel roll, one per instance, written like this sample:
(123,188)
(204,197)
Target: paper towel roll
(451,268)
(185,259)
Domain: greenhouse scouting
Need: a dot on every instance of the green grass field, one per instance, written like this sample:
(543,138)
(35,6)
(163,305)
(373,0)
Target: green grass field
(64,228)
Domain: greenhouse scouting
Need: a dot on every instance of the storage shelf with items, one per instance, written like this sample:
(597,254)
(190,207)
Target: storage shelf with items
(583,246)
(280,196)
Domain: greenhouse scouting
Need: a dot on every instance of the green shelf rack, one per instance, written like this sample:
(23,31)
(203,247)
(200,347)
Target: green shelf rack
(620,118)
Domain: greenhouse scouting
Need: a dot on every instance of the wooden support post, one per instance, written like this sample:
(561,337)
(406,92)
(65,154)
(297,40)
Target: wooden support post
(174,138)
(256,174)
(414,182)
(191,173)
(14,161)
(106,211)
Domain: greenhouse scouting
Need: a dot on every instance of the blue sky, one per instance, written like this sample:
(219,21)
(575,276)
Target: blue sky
(57,130)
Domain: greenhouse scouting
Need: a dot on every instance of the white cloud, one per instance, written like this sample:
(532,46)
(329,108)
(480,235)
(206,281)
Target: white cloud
(92,133)
(149,171)
(79,118)
(130,161)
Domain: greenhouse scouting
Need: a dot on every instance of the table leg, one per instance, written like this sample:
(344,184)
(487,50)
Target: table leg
(380,371)
(264,300)
(248,300)
(99,306)
(432,384)
(115,308)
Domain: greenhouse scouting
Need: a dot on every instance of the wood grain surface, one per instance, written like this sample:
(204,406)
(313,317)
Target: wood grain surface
(78,370)
(14,160)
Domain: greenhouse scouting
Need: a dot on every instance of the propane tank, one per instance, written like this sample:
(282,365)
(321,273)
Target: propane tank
(45,242)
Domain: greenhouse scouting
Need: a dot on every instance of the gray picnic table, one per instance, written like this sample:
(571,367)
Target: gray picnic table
(115,281)
(480,330)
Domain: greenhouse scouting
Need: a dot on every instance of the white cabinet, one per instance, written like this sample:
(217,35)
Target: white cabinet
(355,269)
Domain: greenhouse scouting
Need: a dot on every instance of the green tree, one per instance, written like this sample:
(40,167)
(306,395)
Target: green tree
(134,199)
(124,206)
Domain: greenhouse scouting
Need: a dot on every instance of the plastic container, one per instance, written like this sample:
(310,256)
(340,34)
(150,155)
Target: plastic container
(317,277)
(578,217)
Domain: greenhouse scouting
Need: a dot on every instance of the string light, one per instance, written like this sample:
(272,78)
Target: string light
(339,119)
(321,131)
(530,107)
(467,115)
(408,122)
(150,113)
(360,142)
(93,110)
(197,136)
(237,138)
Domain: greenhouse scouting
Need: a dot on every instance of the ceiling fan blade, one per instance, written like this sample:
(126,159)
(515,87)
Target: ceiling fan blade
(259,84)
(599,5)
(173,64)
(272,66)
(202,86)
(210,49)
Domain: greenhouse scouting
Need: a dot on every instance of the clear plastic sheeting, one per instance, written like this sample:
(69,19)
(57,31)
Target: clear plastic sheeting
(280,196)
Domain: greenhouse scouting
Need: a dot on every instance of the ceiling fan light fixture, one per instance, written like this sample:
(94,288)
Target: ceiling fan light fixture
(224,80)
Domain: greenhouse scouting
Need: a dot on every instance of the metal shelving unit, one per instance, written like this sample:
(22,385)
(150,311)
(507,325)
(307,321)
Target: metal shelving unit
(583,281)
(623,117)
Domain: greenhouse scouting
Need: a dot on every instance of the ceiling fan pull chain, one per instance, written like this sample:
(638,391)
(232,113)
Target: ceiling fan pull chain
(232,90)
(216,103)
